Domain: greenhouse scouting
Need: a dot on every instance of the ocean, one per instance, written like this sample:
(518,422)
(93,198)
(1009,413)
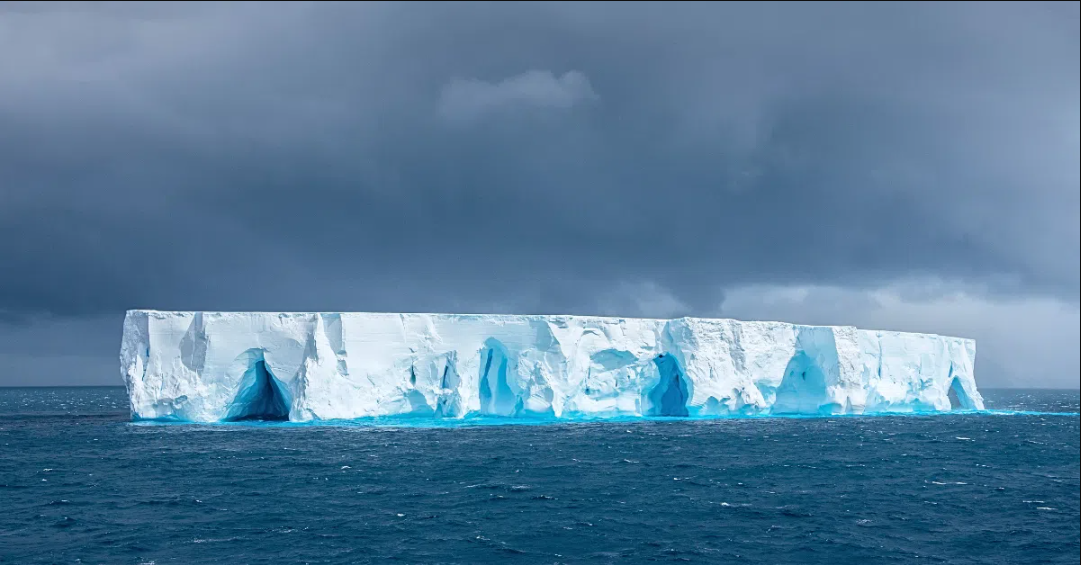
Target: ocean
(80,483)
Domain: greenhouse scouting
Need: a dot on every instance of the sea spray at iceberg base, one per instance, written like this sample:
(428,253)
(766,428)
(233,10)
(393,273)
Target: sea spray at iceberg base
(305,367)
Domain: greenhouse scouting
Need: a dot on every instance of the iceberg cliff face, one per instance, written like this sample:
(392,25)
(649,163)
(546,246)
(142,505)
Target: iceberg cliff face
(211,366)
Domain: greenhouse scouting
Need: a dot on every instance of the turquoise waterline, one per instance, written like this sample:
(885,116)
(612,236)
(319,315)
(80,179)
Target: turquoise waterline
(484,420)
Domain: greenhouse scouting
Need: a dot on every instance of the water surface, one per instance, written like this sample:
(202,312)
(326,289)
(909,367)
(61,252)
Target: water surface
(80,483)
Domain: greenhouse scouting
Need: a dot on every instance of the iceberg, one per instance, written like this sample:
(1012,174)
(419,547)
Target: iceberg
(310,367)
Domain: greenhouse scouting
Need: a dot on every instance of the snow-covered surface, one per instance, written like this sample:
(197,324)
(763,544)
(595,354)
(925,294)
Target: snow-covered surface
(222,366)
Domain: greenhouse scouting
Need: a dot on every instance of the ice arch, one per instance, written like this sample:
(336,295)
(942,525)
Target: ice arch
(803,387)
(959,399)
(670,395)
(496,396)
(261,396)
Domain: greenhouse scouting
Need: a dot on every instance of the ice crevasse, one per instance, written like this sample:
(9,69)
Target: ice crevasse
(230,366)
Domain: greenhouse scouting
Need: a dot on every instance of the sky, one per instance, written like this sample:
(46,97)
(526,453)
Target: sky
(907,167)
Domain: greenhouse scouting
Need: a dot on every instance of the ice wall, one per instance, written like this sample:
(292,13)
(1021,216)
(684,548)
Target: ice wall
(219,366)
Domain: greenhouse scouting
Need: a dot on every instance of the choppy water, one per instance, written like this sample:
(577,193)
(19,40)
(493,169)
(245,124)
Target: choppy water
(79,483)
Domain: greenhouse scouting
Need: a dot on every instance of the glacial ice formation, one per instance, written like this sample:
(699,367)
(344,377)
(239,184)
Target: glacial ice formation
(219,366)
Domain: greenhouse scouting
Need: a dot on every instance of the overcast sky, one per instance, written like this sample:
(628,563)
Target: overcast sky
(895,166)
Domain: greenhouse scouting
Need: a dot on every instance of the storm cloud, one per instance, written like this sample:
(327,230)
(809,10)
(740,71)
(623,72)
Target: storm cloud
(629,159)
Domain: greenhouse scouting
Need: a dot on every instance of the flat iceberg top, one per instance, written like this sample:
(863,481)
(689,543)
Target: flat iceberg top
(493,318)
(305,366)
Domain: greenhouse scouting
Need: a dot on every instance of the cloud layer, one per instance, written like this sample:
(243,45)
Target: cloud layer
(639,158)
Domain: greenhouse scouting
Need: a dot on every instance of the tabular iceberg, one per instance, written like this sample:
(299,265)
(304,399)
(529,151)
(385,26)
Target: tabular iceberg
(228,366)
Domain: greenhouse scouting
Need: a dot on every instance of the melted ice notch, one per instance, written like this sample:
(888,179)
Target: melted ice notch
(803,387)
(670,396)
(261,397)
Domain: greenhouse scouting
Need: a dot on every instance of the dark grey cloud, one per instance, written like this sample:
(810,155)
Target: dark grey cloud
(530,156)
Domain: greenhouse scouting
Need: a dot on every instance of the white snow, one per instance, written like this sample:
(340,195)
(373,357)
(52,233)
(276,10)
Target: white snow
(216,366)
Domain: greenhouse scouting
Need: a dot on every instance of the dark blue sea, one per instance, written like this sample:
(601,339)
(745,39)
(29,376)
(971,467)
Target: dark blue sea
(79,483)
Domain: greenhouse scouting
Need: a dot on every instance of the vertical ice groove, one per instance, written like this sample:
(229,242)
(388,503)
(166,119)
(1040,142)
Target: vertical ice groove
(449,401)
(190,366)
(193,346)
(500,367)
